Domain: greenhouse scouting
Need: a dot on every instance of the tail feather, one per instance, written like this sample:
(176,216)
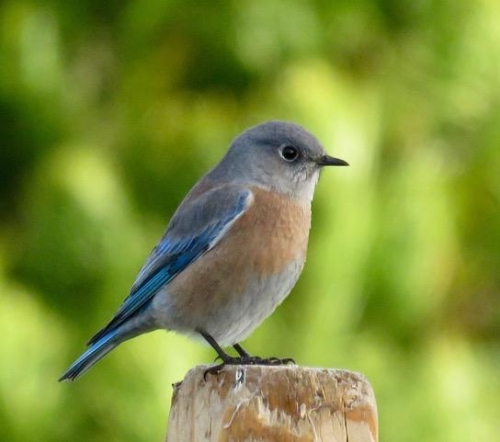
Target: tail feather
(92,355)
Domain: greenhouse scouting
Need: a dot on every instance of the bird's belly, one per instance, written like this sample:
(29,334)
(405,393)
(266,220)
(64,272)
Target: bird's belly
(229,317)
(234,321)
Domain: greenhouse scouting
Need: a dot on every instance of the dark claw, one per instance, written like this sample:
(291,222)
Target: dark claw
(213,370)
(286,361)
(277,361)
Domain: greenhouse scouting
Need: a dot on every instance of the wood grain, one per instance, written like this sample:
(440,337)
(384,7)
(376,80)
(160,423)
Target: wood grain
(264,404)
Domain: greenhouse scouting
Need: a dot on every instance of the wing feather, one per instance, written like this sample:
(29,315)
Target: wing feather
(195,228)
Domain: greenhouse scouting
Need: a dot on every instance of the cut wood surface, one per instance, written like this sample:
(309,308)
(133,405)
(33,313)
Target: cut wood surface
(283,403)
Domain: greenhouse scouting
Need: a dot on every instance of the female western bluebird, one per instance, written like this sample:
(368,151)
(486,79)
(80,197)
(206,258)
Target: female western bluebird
(233,250)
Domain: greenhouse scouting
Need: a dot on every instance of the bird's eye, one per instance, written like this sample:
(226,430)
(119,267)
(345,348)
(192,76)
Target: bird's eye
(289,153)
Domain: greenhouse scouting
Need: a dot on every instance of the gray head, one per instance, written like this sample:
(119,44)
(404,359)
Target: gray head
(276,155)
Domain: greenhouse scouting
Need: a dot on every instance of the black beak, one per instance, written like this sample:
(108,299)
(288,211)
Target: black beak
(326,160)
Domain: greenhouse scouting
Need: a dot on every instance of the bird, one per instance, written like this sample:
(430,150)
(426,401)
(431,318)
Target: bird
(232,251)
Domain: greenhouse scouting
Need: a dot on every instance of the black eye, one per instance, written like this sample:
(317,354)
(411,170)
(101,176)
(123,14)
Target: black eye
(289,153)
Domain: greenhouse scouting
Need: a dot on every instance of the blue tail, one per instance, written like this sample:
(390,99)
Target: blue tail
(93,354)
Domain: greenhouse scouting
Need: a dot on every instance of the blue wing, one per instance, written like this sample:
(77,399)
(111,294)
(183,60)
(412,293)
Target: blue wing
(199,223)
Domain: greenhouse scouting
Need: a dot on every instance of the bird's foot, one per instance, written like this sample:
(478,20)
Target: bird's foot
(247,360)
(277,361)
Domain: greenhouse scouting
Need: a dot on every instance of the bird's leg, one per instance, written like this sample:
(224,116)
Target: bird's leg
(213,343)
(244,357)
(241,351)
(261,361)
(226,359)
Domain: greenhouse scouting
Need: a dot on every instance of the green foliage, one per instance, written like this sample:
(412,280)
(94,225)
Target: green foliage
(111,111)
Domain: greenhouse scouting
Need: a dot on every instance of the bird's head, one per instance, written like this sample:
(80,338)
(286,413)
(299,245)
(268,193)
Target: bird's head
(277,155)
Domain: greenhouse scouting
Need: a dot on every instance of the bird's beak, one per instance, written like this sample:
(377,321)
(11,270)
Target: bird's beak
(327,160)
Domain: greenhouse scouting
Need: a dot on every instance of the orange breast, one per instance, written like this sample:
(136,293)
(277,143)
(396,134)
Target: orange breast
(268,237)
(274,232)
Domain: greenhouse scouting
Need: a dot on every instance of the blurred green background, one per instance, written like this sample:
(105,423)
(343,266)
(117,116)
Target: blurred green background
(110,111)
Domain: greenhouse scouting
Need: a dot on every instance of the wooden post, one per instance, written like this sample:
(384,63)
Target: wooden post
(283,403)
